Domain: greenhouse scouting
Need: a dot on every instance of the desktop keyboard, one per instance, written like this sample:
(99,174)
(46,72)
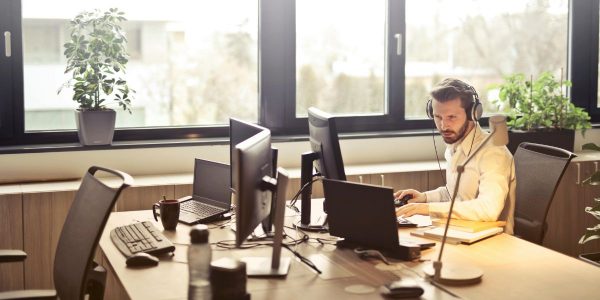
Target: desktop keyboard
(140,237)
(200,209)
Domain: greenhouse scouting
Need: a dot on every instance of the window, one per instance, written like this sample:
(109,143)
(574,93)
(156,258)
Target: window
(480,42)
(340,61)
(371,62)
(191,63)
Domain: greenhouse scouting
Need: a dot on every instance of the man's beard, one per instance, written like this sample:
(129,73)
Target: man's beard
(457,137)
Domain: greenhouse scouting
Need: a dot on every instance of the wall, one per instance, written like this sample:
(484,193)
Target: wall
(168,160)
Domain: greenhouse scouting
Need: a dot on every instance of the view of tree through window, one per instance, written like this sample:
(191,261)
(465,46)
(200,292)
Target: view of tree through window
(340,56)
(191,62)
(481,41)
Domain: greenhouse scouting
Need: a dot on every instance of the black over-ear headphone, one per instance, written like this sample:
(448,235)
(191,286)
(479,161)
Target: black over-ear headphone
(474,110)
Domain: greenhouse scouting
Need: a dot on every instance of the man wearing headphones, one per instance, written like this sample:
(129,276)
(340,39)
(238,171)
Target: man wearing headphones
(483,193)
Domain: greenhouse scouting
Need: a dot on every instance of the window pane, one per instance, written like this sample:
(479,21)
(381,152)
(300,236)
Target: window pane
(191,62)
(340,56)
(480,41)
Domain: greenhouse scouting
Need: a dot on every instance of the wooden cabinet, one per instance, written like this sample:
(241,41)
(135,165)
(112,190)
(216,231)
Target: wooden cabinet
(11,231)
(567,219)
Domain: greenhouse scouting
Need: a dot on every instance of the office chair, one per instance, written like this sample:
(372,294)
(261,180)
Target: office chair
(538,170)
(75,272)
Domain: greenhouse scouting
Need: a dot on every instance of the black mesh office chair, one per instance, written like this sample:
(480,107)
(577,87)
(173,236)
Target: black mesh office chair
(538,170)
(75,272)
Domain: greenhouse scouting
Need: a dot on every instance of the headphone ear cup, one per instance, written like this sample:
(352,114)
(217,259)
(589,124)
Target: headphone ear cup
(429,109)
(477,111)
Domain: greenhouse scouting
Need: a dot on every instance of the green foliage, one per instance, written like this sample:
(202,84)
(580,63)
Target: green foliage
(97,55)
(592,233)
(537,105)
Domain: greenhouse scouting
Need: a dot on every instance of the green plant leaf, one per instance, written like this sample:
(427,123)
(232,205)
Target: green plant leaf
(590,146)
(591,234)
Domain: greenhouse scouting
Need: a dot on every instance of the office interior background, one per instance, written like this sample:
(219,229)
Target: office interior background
(195,64)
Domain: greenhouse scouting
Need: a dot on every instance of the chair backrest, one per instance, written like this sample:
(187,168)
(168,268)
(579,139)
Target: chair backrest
(538,169)
(82,230)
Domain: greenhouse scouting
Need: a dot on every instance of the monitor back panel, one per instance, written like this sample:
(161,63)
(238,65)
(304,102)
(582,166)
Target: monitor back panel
(362,214)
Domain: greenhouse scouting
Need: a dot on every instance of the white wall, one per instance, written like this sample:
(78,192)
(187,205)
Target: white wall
(168,160)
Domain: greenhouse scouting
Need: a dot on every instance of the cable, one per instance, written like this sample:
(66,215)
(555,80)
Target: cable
(315,178)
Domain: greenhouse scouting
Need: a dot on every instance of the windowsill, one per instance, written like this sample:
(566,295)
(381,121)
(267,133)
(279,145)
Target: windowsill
(65,147)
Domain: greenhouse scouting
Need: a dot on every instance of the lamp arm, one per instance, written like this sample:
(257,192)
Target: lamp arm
(459,169)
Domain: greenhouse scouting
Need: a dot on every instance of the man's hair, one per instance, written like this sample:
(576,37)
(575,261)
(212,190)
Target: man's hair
(450,89)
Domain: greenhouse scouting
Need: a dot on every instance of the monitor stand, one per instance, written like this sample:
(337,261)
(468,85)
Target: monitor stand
(306,177)
(274,266)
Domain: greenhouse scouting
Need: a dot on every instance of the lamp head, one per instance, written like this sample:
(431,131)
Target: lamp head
(499,130)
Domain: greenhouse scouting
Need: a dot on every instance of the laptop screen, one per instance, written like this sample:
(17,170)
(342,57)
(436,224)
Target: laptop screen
(212,182)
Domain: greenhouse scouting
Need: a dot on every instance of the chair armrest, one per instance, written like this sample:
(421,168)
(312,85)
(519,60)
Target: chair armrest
(12,255)
(96,282)
(29,294)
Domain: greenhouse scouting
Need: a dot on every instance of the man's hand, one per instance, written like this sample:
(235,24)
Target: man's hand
(413,209)
(416,195)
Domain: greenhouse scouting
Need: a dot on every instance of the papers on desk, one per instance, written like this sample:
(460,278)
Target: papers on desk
(420,220)
(457,236)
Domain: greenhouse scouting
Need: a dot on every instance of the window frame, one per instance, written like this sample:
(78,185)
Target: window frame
(583,55)
(276,84)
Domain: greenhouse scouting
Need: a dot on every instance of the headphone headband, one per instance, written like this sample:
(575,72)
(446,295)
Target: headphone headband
(474,110)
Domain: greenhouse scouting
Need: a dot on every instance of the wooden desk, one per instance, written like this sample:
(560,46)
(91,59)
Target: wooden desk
(513,269)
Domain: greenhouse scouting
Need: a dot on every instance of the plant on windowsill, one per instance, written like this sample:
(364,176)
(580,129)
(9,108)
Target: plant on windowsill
(539,112)
(592,233)
(97,56)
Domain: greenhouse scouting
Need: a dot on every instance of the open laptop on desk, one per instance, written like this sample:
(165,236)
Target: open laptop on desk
(211,196)
(364,215)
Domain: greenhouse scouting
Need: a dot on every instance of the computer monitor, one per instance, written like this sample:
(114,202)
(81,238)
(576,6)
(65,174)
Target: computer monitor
(325,157)
(253,188)
(240,131)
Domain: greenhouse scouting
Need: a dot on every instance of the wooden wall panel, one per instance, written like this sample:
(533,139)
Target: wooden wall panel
(11,231)
(142,197)
(43,217)
(182,190)
(399,181)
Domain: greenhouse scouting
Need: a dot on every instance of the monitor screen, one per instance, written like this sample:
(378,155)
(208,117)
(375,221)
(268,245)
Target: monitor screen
(324,141)
(252,160)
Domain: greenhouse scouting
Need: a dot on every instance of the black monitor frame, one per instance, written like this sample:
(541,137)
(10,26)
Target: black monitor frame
(253,188)
(240,131)
(325,157)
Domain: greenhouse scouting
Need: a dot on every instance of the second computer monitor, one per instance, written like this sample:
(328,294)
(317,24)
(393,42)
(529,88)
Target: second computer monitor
(324,141)
(325,157)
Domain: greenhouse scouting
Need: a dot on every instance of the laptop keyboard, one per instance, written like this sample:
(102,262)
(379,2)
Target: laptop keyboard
(200,209)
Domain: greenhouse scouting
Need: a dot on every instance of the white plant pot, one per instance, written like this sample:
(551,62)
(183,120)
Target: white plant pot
(95,127)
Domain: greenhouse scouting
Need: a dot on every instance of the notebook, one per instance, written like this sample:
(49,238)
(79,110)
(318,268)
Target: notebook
(364,215)
(457,236)
(211,195)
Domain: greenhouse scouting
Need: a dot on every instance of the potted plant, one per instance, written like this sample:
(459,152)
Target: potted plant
(592,233)
(539,112)
(96,55)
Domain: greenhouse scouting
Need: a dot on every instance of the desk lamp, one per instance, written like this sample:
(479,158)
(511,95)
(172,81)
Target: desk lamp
(454,274)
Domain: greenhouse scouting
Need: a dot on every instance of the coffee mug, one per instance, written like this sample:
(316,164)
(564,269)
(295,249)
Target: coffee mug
(169,213)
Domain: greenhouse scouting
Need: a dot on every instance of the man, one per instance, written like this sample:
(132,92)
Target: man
(483,193)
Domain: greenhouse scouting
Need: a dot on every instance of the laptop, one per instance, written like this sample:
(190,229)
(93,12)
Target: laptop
(211,195)
(365,216)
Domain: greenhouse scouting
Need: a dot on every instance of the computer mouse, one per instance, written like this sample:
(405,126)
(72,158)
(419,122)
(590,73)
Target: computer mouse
(406,288)
(402,201)
(141,259)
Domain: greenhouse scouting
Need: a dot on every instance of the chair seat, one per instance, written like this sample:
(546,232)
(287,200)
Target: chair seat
(29,294)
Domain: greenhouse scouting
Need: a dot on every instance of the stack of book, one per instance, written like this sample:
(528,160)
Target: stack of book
(461,231)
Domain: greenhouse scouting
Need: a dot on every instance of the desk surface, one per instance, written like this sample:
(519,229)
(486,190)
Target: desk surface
(513,269)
